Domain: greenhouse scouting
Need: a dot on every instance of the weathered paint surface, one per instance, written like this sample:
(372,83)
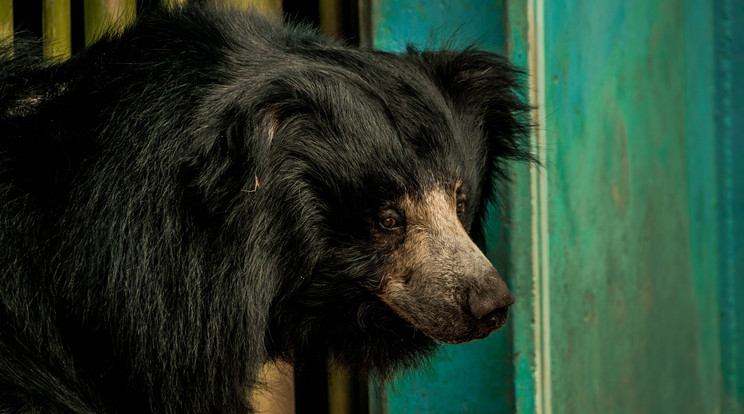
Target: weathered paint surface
(625,322)
(641,309)
(474,377)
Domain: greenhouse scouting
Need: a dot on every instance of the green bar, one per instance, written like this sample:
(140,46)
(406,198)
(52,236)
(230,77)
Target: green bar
(346,392)
(330,18)
(365,23)
(519,45)
(173,3)
(270,6)
(102,16)
(340,392)
(57,30)
(6,21)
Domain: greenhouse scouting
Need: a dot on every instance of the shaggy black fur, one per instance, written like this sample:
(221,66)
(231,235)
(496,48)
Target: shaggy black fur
(184,201)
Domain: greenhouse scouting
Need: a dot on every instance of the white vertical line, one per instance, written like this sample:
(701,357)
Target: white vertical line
(547,388)
(536,287)
(539,206)
(535,91)
(536,292)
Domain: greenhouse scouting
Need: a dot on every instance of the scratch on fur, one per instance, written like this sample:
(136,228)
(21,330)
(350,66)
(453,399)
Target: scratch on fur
(255,187)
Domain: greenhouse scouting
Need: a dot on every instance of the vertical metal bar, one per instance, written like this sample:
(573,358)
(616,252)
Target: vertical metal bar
(6,21)
(57,30)
(330,18)
(521,49)
(173,3)
(343,390)
(270,6)
(275,395)
(340,392)
(365,22)
(102,16)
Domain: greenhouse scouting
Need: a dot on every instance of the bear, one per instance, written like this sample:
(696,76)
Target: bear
(209,190)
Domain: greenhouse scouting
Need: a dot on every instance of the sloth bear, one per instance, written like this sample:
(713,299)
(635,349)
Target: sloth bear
(211,190)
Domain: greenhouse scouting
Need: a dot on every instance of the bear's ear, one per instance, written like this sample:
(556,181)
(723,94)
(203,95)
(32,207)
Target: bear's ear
(486,89)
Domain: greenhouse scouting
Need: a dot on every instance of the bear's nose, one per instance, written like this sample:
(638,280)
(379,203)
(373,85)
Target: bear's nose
(488,297)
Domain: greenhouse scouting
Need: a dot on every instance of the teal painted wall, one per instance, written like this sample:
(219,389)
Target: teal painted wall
(626,248)
(628,314)
(436,22)
(636,303)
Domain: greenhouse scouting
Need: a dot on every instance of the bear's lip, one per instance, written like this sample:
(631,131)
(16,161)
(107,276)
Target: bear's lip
(451,322)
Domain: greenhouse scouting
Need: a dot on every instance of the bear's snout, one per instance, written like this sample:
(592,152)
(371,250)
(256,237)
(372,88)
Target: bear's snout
(489,298)
(439,280)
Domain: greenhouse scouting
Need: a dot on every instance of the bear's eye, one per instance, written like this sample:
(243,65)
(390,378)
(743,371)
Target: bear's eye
(389,223)
(391,219)
(460,207)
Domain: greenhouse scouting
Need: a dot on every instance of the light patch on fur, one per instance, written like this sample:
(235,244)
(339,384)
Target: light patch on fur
(432,273)
(419,276)
(431,217)
(27,105)
(271,123)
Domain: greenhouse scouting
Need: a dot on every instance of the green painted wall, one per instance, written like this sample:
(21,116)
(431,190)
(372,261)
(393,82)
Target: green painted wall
(626,248)
(628,325)
(433,23)
(635,305)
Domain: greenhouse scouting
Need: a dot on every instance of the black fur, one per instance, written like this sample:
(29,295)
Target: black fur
(184,201)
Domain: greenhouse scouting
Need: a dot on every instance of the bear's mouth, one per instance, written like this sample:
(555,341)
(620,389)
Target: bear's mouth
(490,323)
(451,325)
(470,329)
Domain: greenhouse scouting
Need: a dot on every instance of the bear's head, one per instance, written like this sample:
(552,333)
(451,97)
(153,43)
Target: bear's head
(388,164)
